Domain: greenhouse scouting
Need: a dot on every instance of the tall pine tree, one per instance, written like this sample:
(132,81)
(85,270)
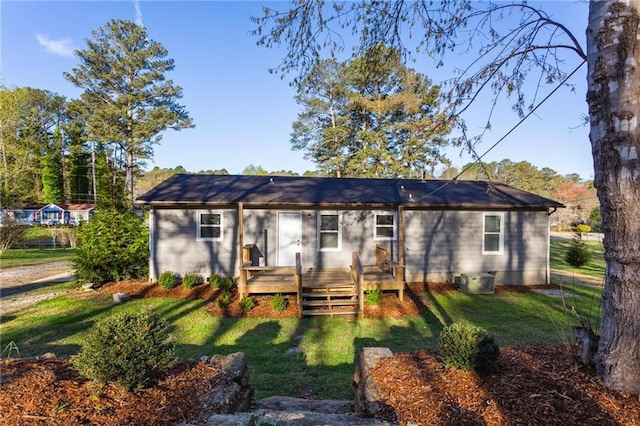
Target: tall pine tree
(122,72)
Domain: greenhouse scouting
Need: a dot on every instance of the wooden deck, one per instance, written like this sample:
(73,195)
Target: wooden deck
(336,291)
(281,280)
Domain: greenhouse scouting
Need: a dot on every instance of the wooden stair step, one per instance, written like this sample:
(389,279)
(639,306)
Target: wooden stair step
(310,312)
(341,302)
(327,285)
(320,294)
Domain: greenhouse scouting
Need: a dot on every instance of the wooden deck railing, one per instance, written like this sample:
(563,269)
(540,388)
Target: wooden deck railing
(357,278)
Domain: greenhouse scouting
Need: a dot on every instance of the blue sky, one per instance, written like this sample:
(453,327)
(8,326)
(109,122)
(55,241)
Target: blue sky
(243,114)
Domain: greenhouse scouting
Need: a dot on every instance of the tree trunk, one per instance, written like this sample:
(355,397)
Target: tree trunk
(128,184)
(613,80)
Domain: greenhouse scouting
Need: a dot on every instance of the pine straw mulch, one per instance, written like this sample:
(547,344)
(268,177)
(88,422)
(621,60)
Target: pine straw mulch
(532,385)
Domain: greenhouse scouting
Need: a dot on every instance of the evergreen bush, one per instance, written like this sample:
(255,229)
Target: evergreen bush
(112,246)
(247,304)
(215,280)
(190,280)
(226,299)
(467,347)
(278,303)
(578,253)
(226,284)
(167,280)
(131,349)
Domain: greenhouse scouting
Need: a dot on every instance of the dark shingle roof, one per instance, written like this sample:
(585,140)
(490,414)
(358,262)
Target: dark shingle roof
(194,189)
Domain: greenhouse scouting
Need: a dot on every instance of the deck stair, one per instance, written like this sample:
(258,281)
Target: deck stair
(329,292)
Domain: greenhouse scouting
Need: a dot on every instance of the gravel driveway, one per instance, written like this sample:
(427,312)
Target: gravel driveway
(26,285)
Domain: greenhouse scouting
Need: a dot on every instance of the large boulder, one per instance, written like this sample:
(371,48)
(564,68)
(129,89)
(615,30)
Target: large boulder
(368,398)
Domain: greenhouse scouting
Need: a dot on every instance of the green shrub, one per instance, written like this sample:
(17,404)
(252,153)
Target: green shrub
(467,347)
(226,284)
(578,253)
(190,280)
(373,297)
(278,303)
(112,246)
(247,304)
(132,349)
(215,280)
(226,299)
(167,280)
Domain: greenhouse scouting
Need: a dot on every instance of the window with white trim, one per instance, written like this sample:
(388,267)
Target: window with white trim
(210,226)
(385,227)
(493,233)
(329,232)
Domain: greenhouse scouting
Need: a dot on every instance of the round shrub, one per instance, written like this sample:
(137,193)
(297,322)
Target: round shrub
(167,280)
(247,304)
(131,349)
(278,303)
(582,228)
(467,347)
(190,280)
(112,246)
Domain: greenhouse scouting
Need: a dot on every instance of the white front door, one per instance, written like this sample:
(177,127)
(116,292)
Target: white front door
(289,237)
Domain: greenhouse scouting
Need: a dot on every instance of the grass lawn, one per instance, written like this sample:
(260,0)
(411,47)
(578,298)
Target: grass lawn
(312,357)
(22,257)
(595,267)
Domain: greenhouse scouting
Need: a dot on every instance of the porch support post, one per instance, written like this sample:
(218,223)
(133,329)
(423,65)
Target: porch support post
(242,285)
(401,235)
(400,270)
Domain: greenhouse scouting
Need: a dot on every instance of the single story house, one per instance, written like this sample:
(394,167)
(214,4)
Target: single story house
(436,229)
(52,214)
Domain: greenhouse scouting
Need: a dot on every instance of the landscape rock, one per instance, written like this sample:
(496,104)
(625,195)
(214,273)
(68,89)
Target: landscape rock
(232,392)
(121,297)
(366,391)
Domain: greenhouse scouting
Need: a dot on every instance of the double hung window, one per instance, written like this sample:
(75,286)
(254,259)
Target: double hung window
(493,233)
(385,227)
(329,232)
(210,226)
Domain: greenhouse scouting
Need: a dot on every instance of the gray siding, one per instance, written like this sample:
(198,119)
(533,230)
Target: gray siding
(441,245)
(175,245)
(261,229)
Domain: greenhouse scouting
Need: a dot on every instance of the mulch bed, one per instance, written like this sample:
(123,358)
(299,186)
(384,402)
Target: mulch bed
(531,385)
(51,392)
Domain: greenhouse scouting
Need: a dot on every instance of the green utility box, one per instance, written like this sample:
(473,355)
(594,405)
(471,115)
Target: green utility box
(477,283)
